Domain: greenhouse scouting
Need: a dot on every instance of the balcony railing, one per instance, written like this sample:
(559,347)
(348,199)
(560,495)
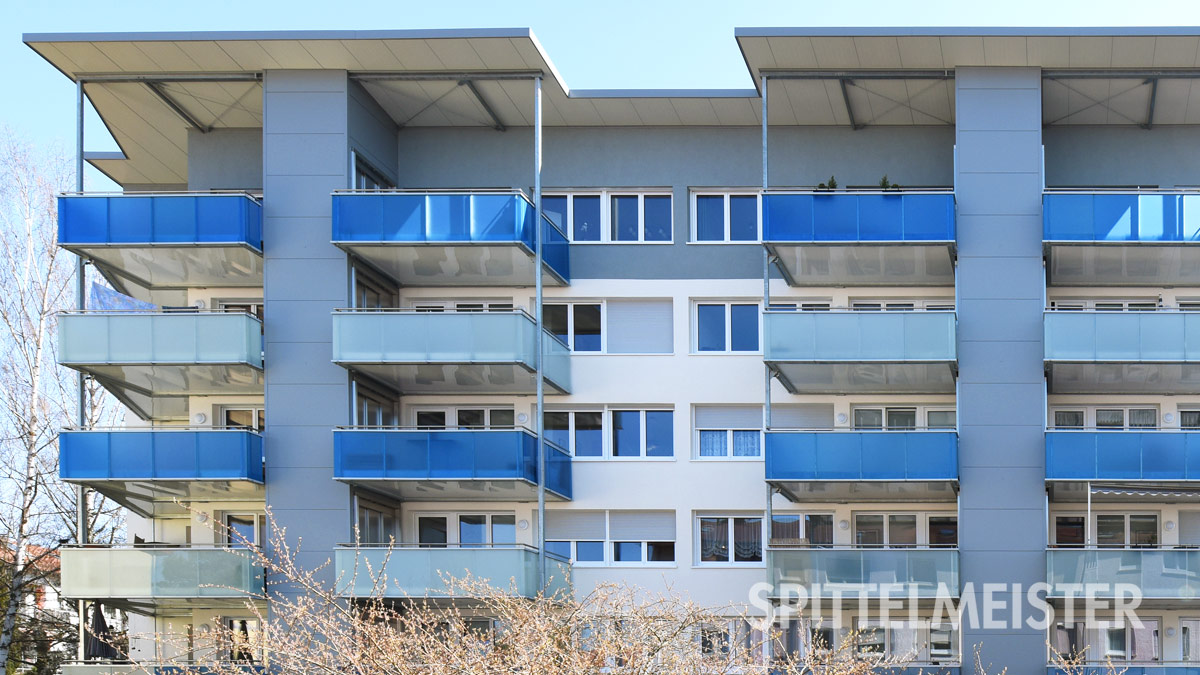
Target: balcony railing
(1107,352)
(1169,574)
(1133,454)
(424,571)
(374,224)
(1121,216)
(160,668)
(897,573)
(862,351)
(155,245)
(449,352)
(1126,668)
(458,464)
(144,357)
(836,216)
(862,455)
(159,575)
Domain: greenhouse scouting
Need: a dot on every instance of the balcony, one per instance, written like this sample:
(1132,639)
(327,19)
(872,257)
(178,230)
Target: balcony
(414,571)
(155,246)
(846,352)
(152,361)
(1147,459)
(1121,667)
(1161,574)
(1122,238)
(453,353)
(1155,352)
(148,470)
(852,573)
(450,238)
(165,668)
(876,465)
(157,578)
(451,465)
(900,238)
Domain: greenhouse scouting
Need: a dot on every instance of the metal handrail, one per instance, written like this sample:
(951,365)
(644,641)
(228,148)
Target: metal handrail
(848,310)
(161,310)
(156,429)
(159,546)
(1121,428)
(859,430)
(1135,310)
(1116,547)
(415,546)
(859,547)
(1119,190)
(254,196)
(812,189)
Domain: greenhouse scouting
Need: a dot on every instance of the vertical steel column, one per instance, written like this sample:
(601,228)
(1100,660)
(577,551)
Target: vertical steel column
(541,352)
(769,511)
(81,524)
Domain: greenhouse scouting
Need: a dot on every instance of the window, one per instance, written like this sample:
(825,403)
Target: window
(246,640)
(1136,530)
(467,530)
(885,530)
(478,305)
(623,538)
(372,409)
(249,417)
(577,325)
(726,327)
(643,433)
(1069,531)
(252,307)
(728,431)
(472,417)
(1189,635)
(901,418)
(736,635)
(580,433)
(1105,417)
(612,216)
(376,523)
(243,529)
(943,531)
(905,304)
(1115,641)
(1189,419)
(371,292)
(794,529)
(730,539)
(726,217)
(1106,304)
(367,177)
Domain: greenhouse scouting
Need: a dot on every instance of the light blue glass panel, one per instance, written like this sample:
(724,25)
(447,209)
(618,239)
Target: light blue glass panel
(422,572)
(859,336)
(855,572)
(126,573)
(1167,574)
(861,455)
(1122,336)
(147,338)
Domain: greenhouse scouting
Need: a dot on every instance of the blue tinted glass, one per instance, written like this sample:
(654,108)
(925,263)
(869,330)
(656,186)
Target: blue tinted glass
(586,225)
(562,548)
(627,433)
(555,208)
(660,433)
(627,551)
(743,328)
(743,218)
(554,318)
(710,218)
(657,216)
(589,437)
(710,328)
(589,551)
(557,430)
(624,217)
(587,328)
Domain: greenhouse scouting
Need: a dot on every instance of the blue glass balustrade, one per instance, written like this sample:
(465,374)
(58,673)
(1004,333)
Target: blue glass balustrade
(423,571)
(1123,455)
(858,217)
(854,572)
(160,219)
(416,218)
(862,455)
(1121,217)
(1159,573)
(161,454)
(451,455)
(1162,336)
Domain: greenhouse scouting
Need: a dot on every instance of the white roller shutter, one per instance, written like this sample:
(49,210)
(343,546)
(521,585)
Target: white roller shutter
(804,416)
(640,327)
(728,417)
(1189,528)
(641,525)
(564,524)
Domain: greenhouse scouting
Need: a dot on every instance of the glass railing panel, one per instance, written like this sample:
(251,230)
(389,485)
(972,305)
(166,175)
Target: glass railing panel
(424,571)
(1159,573)
(1162,335)
(862,571)
(1123,454)
(866,217)
(160,219)
(438,337)
(161,454)
(184,338)
(1121,217)
(159,573)
(861,455)
(859,336)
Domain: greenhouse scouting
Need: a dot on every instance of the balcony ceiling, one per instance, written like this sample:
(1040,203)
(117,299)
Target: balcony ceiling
(152,134)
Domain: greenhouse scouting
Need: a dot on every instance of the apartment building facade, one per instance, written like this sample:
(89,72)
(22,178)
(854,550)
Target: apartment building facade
(762,361)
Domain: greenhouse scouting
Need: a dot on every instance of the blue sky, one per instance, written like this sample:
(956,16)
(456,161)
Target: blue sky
(595,45)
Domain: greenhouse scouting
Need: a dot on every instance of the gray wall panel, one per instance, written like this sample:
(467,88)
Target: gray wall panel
(1019,236)
(1008,526)
(1105,156)
(307,157)
(224,159)
(372,132)
(1024,483)
(995,319)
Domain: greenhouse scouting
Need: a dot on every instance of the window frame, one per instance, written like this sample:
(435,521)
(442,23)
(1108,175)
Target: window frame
(361,389)
(728,305)
(453,527)
(729,442)
(411,411)
(258,411)
(608,545)
(1089,416)
(694,213)
(802,516)
(920,410)
(731,519)
(570,341)
(607,432)
(606,195)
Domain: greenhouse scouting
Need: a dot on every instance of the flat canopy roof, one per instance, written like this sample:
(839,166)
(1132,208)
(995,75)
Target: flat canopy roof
(149,88)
